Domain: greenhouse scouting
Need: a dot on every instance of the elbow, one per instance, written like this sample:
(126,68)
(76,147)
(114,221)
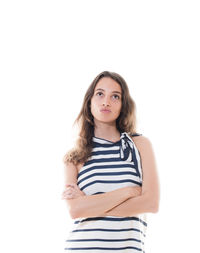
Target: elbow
(154,206)
(72,210)
(72,213)
(77,213)
(75,208)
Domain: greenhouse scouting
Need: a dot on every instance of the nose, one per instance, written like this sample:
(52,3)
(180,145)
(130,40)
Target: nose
(106,101)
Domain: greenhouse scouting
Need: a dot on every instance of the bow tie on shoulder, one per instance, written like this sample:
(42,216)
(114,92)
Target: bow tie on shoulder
(126,147)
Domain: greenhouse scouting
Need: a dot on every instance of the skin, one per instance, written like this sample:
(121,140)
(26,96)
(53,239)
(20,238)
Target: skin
(107,95)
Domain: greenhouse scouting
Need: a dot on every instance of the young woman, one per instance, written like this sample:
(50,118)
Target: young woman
(111,179)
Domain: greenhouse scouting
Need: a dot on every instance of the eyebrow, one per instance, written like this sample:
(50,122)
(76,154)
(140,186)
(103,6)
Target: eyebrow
(112,91)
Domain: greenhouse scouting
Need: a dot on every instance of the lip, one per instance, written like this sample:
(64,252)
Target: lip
(105,110)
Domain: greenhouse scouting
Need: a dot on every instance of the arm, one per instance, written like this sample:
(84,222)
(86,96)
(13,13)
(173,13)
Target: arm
(93,205)
(148,201)
(131,207)
(72,191)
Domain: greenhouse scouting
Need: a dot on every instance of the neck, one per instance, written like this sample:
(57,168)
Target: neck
(106,131)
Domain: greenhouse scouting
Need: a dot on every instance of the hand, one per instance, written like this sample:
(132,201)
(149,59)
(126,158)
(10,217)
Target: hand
(72,191)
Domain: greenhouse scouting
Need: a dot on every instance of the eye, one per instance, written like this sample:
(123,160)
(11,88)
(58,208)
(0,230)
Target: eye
(99,93)
(118,97)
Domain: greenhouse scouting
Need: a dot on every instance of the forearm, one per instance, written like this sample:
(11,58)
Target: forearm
(95,205)
(132,206)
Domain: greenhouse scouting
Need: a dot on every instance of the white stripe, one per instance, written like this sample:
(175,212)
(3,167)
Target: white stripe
(105,148)
(104,156)
(106,170)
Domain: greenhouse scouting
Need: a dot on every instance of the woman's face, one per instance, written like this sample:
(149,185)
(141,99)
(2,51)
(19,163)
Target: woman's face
(106,101)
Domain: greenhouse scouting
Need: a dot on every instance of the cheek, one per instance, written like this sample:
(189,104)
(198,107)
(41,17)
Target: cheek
(118,107)
(94,106)
(95,102)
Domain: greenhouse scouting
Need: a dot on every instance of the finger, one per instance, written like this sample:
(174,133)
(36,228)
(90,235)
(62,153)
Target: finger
(67,197)
(71,188)
(67,191)
(72,184)
(67,194)
(68,185)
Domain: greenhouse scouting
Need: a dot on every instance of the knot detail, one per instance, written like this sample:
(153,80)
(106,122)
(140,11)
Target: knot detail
(126,147)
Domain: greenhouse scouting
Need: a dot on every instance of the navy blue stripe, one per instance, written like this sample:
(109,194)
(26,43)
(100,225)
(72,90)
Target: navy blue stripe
(110,182)
(111,219)
(136,162)
(103,248)
(100,166)
(108,230)
(97,193)
(105,240)
(107,174)
(105,145)
(105,152)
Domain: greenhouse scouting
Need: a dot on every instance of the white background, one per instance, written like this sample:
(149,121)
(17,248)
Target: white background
(49,54)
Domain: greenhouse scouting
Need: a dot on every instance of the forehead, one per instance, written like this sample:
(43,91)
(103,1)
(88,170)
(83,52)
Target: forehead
(108,84)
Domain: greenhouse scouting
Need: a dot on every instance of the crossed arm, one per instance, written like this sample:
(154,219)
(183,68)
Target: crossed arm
(119,202)
(123,202)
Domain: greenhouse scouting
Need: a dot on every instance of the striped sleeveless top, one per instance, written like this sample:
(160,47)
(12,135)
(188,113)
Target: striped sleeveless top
(112,165)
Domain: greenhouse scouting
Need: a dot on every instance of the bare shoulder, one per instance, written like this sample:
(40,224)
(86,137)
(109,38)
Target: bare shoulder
(141,141)
(144,146)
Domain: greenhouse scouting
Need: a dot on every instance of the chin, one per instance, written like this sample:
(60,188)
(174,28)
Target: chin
(104,120)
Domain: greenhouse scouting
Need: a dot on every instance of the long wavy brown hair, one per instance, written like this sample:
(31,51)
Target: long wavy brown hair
(126,121)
